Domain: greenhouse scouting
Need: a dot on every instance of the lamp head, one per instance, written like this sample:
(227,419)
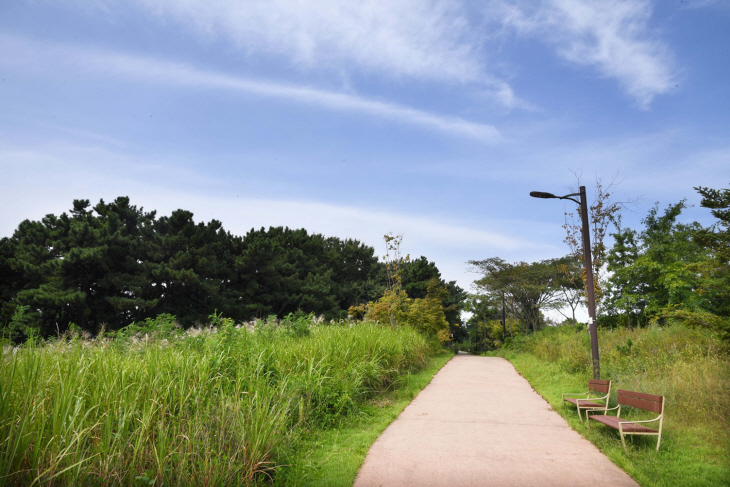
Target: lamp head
(540,194)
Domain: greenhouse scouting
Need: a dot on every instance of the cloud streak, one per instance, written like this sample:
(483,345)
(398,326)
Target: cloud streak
(400,40)
(426,39)
(613,36)
(22,54)
(50,167)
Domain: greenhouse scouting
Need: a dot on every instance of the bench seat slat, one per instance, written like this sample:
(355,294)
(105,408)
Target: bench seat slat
(613,422)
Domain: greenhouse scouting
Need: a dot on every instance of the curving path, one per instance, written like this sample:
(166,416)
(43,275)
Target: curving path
(480,423)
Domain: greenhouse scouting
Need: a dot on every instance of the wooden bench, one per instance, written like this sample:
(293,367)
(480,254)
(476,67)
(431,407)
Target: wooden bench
(587,402)
(647,402)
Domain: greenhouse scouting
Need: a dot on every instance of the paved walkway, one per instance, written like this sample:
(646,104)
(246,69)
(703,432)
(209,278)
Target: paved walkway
(480,423)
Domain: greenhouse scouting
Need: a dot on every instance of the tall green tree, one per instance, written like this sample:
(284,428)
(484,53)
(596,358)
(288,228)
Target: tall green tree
(528,288)
(113,263)
(666,266)
(35,264)
(188,265)
(716,240)
(357,275)
(625,292)
(283,270)
(717,237)
(78,267)
(416,275)
(665,271)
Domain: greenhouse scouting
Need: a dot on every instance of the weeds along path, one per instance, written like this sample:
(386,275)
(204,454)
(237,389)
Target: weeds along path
(480,423)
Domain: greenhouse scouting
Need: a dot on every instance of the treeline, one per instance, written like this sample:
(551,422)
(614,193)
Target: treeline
(668,270)
(113,264)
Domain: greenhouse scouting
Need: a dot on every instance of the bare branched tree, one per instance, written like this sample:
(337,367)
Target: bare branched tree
(603,211)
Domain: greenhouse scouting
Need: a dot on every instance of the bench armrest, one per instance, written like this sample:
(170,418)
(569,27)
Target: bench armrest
(578,401)
(575,394)
(644,421)
(604,411)
(597,398)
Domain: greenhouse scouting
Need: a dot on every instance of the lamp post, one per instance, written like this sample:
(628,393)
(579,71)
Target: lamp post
(585,232)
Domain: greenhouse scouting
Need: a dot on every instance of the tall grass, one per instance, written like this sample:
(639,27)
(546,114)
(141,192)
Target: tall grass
(690,367)
(222,407)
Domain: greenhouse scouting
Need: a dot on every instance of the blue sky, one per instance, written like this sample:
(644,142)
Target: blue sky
(429,119)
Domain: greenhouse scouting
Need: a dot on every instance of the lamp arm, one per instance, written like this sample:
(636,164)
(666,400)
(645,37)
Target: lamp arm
(567,197)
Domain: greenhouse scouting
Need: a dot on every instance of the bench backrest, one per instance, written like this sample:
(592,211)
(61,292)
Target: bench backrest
(599,385)
(648,402)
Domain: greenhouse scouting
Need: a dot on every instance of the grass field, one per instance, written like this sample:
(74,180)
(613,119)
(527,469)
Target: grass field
(218,406)
(690,367)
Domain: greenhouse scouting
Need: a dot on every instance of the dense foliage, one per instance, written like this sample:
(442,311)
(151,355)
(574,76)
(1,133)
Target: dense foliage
(156,405)
(672,269)
(115,263)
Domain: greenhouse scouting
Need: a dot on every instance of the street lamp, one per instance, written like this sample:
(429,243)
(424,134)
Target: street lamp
(589,269)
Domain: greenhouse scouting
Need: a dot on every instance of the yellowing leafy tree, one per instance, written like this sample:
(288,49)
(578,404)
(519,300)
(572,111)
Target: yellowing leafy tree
(391,308)
(426,315)
(395,298)
(443,337)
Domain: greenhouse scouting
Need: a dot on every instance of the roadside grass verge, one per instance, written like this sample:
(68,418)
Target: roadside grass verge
(690,367)
(333,457)
(222,405)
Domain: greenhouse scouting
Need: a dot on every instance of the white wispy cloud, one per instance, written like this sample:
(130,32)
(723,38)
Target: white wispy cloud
(400,40)
(24,54)
(56,165)
(427,39)
(613,36)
